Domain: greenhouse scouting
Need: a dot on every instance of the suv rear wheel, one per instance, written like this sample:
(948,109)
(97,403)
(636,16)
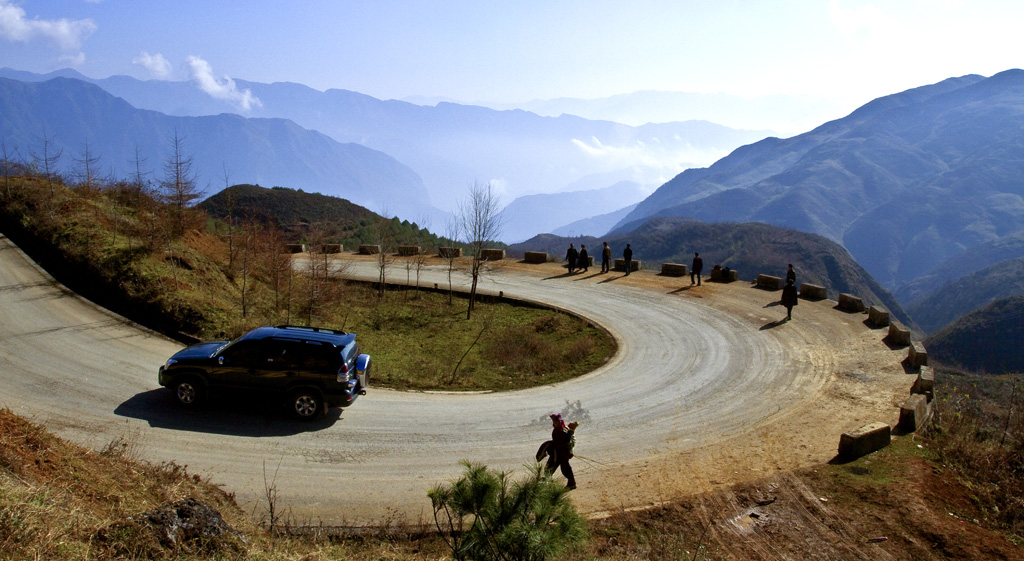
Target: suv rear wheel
(307,405)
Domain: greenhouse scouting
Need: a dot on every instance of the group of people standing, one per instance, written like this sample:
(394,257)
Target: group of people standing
(580,259)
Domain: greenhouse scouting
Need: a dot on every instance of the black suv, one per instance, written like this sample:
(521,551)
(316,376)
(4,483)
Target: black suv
(315,368)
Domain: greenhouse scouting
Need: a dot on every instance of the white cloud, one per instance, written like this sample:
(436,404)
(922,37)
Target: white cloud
(223,88)
(650,156)
(68,35)
(158,65)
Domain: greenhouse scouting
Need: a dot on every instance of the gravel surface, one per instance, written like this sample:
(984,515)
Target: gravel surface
(707,389)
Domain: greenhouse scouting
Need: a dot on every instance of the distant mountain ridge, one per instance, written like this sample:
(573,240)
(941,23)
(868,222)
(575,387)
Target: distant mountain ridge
(449,145)
(523,216)
(944,305)
(904,183)
(985,340)
(264,151)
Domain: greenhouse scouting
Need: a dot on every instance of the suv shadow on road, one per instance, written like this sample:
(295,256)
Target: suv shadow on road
(234,417)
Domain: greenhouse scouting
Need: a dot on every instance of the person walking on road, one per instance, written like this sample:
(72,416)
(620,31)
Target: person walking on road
(584,259)
(606,258)
(627,256)
(789,298)
(571,256)
(696,268)
(560,450)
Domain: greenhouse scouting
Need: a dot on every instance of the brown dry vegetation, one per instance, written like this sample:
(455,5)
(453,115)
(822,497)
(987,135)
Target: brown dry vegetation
(904,502)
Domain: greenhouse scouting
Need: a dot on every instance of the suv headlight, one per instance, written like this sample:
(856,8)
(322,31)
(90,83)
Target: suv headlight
(170,362)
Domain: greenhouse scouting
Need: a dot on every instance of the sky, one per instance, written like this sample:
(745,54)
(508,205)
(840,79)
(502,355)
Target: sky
(845,52)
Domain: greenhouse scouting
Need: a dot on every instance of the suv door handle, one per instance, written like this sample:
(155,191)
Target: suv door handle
(289,373)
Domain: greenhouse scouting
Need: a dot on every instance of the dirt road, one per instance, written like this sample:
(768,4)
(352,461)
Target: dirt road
(707,389)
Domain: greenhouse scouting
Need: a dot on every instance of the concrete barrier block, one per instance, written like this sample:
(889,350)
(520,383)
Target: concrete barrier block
(331,248)
(851,303)
(769,282)
(864,440)
(878,315)
(913,413)
(674,270)
(620,265)
(295,248)
(925,382)
(725,275)
(898,334)
(368,249)
(917,355)
(535,257)
(409,250)
(492,254)
(449,252)
(813,292)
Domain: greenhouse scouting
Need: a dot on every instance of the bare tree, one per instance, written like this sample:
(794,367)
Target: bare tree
(144,197)
(48,160)
(229,208)
(86,168)
(8,166)
(417,260)
(384,235)
(179,184)
(249,237)
(480,221)
(317,272)
(450,254)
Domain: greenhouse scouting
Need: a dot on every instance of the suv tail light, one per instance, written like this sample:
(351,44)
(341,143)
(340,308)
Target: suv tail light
(343,376)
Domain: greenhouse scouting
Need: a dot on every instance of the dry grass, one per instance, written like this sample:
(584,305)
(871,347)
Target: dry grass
(978,431)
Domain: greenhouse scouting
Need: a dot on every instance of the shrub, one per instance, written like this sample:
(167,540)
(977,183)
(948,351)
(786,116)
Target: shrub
(484,515)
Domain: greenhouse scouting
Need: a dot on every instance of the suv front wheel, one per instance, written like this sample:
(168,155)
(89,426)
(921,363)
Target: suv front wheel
(307,405)
(188,391)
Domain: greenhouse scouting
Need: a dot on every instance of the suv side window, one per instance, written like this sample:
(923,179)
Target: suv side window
(319,357)
(246,353)
(285,354)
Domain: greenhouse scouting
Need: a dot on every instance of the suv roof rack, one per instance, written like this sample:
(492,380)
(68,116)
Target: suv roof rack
(313,329)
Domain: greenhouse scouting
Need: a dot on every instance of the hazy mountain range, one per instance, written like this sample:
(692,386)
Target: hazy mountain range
(530,214)
(451,146)
(905,183)
(637,108)
(73,114)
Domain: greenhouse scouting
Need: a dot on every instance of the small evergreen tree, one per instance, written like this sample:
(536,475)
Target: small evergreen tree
(484,515)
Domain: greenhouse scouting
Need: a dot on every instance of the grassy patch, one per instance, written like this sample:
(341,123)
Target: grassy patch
(420,341)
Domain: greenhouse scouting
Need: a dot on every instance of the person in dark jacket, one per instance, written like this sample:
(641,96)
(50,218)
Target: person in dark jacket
(789,298)
(696,268)
(571,256)
(627,256)
(560,450)
(791,275)
(606,258)
(584,259)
